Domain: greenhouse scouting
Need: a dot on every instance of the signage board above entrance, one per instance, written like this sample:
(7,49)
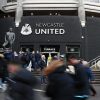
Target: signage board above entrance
(43,28)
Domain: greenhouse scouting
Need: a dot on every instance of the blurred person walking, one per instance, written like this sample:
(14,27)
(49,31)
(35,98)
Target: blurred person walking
(90,77)
(80,77)
(9,54)
(20,82)
(23,59)
(38,60)
(33,60)
(43,65)
(3,71)
(60,84)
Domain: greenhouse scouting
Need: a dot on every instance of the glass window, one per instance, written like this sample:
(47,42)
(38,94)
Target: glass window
(73,49)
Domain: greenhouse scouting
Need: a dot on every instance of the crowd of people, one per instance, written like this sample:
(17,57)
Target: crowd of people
(62,83)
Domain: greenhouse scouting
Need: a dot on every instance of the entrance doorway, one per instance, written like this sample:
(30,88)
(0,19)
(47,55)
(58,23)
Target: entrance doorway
(50,50)
(73,49)
(27,47)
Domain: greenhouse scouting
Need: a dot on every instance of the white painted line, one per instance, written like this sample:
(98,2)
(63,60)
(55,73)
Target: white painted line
(37,90)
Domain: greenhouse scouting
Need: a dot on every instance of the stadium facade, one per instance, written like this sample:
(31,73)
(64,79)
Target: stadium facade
(53,26)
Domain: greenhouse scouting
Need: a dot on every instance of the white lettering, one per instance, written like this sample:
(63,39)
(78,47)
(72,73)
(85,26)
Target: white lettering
(37,31)
(43,31)
(57,31)
(49,24)
(62,31)
(50,31)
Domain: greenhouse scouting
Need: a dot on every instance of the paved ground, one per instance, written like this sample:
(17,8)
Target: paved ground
(39,95)
(97,97)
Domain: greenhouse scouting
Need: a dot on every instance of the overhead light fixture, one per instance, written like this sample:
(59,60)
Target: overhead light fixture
(50,14)
(83,23)
(8,15)
(32,13)
(56,13)
(82,37)
(59,14)
(17,24)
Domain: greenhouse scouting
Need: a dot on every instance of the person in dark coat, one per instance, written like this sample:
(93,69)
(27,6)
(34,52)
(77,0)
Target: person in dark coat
(80,78)
(38,59)
(60,84)
(32,56)
(9,55)
(20,82)
(24,60)
(43,65)
(90,77)
(3,68)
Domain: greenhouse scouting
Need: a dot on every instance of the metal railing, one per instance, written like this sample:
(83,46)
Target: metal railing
(94,1)
(93,62)
(8,1)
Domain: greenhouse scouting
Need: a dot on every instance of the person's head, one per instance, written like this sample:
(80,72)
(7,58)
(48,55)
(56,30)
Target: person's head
(62,57)
(85,63)
(11,29)
(55,58)
(37,51)
(43,57)
(13,66)
(27,50)
(73,59)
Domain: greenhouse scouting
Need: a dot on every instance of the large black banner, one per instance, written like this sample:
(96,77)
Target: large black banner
(49,28)
(43,29)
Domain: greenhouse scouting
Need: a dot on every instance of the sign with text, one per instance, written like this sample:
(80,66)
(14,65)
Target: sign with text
(43,28)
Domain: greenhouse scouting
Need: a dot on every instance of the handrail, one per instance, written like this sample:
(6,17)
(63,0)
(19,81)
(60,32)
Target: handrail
(93,63)
(95,1)
(94,59)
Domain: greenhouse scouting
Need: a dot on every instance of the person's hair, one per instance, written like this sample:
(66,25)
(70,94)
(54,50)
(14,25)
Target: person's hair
(72,56)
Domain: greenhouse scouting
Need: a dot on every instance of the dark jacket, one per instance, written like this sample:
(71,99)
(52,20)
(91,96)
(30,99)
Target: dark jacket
(9,56)
(89,73)
(81,80)
(21,85)
(37,57)
(32,57)
(3,69)
(24,59)
(60,86)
